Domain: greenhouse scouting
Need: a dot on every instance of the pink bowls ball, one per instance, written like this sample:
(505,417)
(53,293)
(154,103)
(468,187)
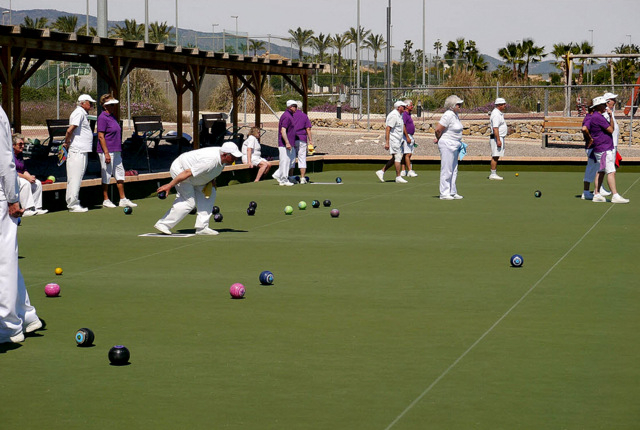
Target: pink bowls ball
(52,290)
(237,291)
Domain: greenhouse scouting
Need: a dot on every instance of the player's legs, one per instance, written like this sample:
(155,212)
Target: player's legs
(10,322)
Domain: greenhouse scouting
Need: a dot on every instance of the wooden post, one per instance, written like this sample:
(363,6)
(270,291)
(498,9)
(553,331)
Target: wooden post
(5,79)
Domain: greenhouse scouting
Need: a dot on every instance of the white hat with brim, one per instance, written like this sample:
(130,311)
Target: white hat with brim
(500,101)
(85,98)
(399,103)
(111,102)
(231,148)
(598,101)
(291,103)
(610,96)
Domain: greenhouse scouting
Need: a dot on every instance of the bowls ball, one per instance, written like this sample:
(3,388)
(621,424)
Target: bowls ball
(266,278)
(119,355)
(162,195)
(85,337)
(327,203)
(215,210)
(538,193)
(288,210)
(218,217)
(52,290)
(335,213)
(251,211)
(253,204)
(339,180)
(315,204)
(302,205)
(516,260)
(127,210)
(58,271)
(237,291)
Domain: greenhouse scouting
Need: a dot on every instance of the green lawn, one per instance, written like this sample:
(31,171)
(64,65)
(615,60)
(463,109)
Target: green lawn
(402,313)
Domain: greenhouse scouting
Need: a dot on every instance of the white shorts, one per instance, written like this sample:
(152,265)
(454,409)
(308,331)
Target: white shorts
(115,168)
(606,161)
(395,148)
(495,151)
(254,160)
(301,149)
(408,147)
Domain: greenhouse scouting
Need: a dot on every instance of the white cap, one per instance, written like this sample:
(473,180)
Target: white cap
(609,96)
(500,101)
(598,101)
(231,148)
(399,103)
(85,98)
(111,102)
(291,103)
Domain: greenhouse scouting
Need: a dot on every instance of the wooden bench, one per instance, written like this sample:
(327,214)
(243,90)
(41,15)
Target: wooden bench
(213,129)
(150,130)
(560,125)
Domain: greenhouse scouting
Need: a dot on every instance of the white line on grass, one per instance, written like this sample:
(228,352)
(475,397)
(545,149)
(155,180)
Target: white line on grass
(490,329)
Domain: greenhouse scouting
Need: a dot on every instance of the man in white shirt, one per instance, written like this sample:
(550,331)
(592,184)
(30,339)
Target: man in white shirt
(79,142)
(394,134)
(194,174)
(17,316)
(499,131)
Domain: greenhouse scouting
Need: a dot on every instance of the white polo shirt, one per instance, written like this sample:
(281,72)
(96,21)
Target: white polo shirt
(394,120)
(453,126)
(82,137)
(497,121)
(205,165)
(616,128)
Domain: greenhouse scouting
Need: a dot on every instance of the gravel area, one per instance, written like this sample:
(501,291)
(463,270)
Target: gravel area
(342,141)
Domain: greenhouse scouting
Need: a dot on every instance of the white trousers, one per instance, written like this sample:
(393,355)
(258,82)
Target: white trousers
(449,150)
(301,148)
(15,308)
(591,169)
(76,166)
(30,194)
(188,197)
(286,157)
(115,168)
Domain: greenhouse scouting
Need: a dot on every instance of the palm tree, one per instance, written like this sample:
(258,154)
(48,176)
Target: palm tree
(353,36)
(340,41)
(83,31)
(321,43)
(37,23)
(256,45)
(130,31)
(511,54)
(301,38)
(531,54)
(159,33)
(437,46)
(560,50)
(477,61)
(376,43)
(406,51)
(584,48)
(66,24)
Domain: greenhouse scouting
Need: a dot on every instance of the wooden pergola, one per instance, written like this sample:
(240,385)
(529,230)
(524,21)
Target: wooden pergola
(24,50)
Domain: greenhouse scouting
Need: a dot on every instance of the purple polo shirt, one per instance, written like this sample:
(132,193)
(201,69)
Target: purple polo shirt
(602,139)
(108,125)
(19,162)
(302,123)
(408,123)
(586,122)
(286,121)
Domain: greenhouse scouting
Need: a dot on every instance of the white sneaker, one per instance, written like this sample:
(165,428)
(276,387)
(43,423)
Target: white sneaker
(495,177)
(29,212)
(599,198)
(401,180)
(303,180)
(41,211)
(33,326)
(380,175)
(457,196)
(126,203)
(587,195)
(162,228)
(617,198)
(276,176)
(412,174)
(108,204)
(286,183)
(604,192)
(403,173)
(78,209)
(206,232)
(13,339)
(446,197)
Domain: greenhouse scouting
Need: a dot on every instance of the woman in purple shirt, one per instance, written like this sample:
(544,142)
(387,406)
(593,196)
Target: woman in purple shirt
(601,134)
(110,151)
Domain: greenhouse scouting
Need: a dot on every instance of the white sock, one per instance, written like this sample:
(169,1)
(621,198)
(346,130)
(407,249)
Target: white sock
(493,172)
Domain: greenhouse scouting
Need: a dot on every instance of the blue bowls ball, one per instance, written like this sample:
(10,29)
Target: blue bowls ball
(517,260)
(266,278)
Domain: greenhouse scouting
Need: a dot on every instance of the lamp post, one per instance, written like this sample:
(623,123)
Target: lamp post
(628,35)
(177,39)
(590,61)
(5,13)
(213,37)
(146,21)
(236,18)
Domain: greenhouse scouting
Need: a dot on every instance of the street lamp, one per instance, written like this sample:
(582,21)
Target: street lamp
(213,37)
(4,13)
(236,18)
(177,40)
(628,35)
(590,61)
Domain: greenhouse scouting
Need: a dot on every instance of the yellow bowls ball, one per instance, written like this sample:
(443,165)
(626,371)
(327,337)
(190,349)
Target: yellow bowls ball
(58,270)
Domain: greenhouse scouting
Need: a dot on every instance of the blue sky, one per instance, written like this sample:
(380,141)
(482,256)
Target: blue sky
(491,23)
